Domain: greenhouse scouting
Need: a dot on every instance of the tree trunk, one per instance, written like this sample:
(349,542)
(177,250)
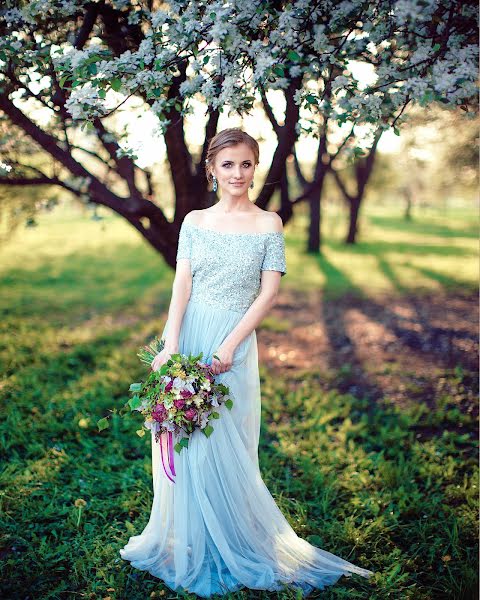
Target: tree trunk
(314,237)
(354,206)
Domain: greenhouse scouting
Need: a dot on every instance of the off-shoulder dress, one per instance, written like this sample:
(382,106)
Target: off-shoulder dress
(217,529)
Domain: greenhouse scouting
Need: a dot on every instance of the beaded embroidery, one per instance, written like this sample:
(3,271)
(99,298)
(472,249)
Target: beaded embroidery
(226,267)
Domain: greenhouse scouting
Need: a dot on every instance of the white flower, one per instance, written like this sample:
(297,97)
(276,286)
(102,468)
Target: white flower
(158,18)
(295,70)
(298,96)
(204,420)
(340,82)
(179,383)
(82,100)
(13,16)
(146,50)
(168,426)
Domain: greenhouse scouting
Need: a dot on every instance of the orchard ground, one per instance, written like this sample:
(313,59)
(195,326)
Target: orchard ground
(369,403)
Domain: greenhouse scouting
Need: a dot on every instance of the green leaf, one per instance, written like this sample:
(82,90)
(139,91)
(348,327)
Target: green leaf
(92,69)
(208,430)
(135,387)
(436,47)
(62,81)
(135,402)
(140,432)
(358,151)
(229,404)
(292,55)
(279,70)
(103,424)
(311,99)
(215,415)
(164,368)
(116,84)
(183,443)
(396,131)
(102,93)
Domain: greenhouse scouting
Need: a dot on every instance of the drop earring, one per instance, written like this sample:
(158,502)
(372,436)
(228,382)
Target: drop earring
(251,184)
(214,183)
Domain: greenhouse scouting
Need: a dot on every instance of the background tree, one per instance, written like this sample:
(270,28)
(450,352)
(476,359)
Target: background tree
(82,60)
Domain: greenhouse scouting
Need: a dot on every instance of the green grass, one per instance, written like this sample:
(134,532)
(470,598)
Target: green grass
(437,250)
(391,490)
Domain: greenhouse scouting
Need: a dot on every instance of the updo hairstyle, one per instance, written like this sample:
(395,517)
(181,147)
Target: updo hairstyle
(225,139)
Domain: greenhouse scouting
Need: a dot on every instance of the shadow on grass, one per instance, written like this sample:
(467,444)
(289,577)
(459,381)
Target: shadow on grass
(423,227)
(381,247)
(416,333)
(343,354)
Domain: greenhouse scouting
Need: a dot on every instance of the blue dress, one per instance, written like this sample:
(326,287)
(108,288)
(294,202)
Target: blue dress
(217,529)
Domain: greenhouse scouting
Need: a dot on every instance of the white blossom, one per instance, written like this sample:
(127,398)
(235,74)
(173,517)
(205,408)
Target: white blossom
(228,59)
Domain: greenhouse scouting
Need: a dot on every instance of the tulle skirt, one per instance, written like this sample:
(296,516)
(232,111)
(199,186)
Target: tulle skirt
(217,529)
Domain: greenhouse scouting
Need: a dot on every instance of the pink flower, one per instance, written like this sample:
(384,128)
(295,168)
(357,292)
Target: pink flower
(190,414)
(159,413)
(169,386)
(186,393)
(179,403)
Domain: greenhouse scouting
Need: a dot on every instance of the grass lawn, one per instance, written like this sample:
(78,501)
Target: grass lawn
(393,489)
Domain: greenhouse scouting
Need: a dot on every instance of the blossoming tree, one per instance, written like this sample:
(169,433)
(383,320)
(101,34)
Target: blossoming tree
(75,57)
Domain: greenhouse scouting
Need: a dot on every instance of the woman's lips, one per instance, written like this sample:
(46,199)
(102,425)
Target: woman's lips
(237,183)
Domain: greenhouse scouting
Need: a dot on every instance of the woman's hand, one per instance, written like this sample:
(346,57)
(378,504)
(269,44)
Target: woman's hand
(224,361)
(162,357)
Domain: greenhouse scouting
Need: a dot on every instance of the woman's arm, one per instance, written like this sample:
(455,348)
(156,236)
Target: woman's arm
(181,289)
(260,307)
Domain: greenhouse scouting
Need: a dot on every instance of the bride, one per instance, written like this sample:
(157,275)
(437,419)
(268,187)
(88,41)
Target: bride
(217,529)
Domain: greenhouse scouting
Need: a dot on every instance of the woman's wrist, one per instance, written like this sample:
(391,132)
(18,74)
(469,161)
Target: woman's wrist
(171,346)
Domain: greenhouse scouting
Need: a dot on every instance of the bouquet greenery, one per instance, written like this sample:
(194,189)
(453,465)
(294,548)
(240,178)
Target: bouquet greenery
(175,400)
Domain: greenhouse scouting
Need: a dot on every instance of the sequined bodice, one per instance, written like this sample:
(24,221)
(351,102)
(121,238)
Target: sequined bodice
(226,267)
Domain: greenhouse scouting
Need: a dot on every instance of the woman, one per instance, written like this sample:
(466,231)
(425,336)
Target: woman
(218,529)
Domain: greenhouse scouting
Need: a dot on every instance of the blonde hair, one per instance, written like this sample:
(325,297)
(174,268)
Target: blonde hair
(226,139)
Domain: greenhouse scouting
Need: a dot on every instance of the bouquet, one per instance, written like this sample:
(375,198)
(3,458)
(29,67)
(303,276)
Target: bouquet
(176,399)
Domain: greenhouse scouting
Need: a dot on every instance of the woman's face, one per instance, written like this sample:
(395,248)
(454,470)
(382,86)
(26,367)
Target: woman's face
(234,168)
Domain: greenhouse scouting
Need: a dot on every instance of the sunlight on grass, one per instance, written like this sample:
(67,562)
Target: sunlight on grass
(434,250)
(117,267)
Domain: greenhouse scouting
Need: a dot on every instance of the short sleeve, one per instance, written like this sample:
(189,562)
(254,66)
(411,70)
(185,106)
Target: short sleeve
(184,242)
(274,259)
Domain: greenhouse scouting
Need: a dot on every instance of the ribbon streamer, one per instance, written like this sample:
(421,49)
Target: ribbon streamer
(170,456)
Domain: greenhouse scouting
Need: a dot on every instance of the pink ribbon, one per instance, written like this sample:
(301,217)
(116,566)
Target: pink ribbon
(171,464)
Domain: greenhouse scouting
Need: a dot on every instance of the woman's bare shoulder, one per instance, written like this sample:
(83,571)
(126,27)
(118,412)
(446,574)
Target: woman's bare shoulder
(269,221)
(194,216)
